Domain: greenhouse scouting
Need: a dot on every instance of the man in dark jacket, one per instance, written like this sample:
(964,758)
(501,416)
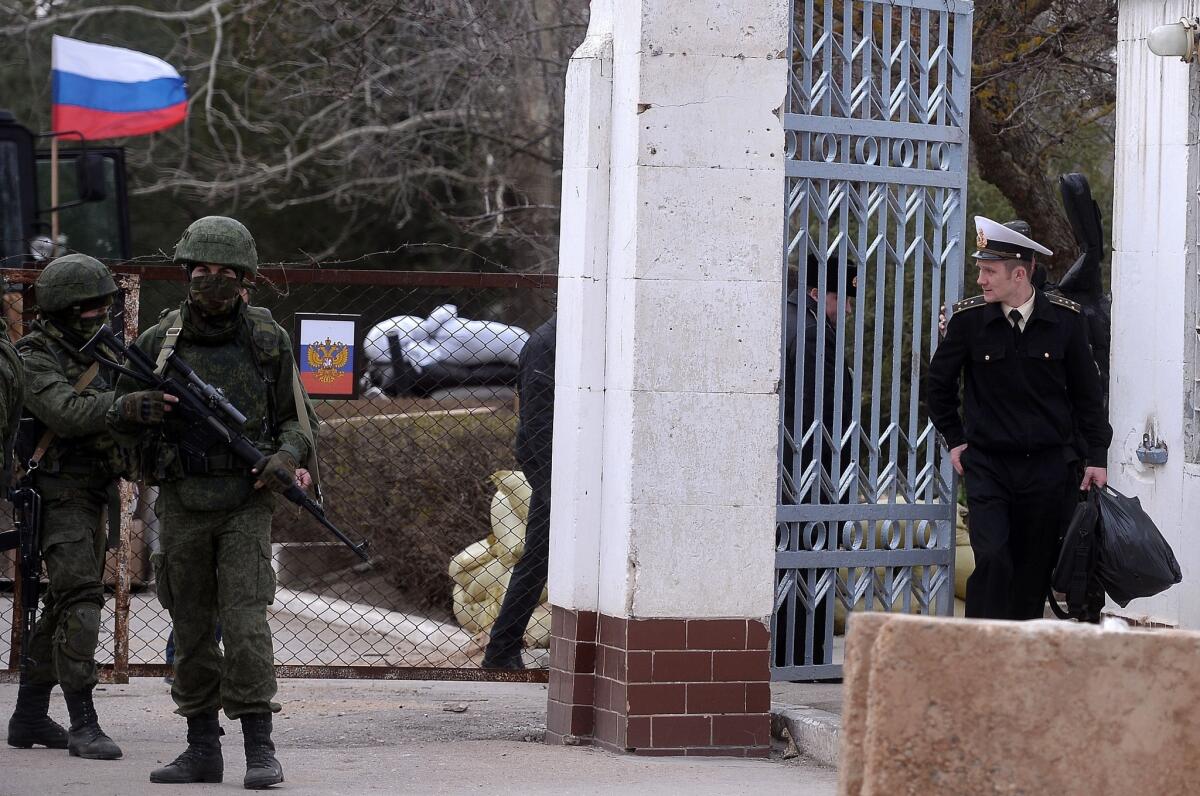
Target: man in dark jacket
(818,308)
(833,391)
(535,431)
(1031,401)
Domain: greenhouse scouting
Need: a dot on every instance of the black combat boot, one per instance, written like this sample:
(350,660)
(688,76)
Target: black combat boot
(201,761)
(86,739)
(262,769)
(30,723)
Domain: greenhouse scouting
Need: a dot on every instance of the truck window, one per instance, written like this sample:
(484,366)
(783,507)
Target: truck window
(95,227)
(12,236)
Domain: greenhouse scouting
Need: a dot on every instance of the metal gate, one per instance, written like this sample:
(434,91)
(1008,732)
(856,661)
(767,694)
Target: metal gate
(876,126)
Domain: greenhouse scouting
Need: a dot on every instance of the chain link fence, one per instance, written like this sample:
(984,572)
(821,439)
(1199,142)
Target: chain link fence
(420,463)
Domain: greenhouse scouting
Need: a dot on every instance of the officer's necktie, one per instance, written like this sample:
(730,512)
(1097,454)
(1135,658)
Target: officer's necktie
(1015,316)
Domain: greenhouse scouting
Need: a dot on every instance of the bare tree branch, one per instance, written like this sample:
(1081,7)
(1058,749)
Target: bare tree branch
(55,20)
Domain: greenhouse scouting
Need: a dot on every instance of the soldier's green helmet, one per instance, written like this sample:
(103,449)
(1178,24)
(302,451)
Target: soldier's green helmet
(73,280)
(221,241)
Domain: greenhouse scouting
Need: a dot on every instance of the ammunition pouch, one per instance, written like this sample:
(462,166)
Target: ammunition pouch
(212,463)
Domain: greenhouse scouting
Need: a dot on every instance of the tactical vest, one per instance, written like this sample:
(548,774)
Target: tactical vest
(192,450)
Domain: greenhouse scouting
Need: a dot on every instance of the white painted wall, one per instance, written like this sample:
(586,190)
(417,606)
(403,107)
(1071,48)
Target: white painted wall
(580,346)
(676,499)
(1154,294)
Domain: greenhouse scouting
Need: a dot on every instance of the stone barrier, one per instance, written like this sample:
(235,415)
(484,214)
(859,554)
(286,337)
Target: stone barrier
(944,706)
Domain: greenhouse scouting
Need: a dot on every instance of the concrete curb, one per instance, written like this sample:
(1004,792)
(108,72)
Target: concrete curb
(816,733)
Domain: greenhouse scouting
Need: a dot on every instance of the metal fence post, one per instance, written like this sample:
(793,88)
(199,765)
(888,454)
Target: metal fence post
(131,288)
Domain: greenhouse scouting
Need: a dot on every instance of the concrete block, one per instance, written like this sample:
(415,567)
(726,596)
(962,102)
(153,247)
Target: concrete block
(575,510)
(816,733)
(710,224)
(726,118)
(972,707)
(586,131)
(583,245)
(716,27)
(680,81)
(701,448)
(696,336)
(580,353)
(731,544)
(856,679)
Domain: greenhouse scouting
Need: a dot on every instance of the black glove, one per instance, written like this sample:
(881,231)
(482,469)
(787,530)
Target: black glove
(144,407)
(277,472)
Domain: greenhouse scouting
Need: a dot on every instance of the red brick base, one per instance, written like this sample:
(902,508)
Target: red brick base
(660,686)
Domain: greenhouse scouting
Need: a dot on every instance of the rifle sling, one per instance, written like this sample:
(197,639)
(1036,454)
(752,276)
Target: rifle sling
(307,429)
(44,443)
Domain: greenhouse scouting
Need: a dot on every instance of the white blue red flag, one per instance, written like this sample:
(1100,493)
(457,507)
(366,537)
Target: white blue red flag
(111,92)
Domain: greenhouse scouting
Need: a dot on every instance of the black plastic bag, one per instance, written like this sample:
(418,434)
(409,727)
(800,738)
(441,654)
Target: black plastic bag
(1135,560)
(1074,575)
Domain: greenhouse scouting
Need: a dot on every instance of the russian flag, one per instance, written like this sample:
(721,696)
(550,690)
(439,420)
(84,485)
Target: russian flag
(111,92)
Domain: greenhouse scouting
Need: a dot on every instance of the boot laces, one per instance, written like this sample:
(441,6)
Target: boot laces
(193,755)
(259,756)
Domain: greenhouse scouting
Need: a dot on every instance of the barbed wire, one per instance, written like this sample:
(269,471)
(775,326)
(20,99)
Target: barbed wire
(160,257)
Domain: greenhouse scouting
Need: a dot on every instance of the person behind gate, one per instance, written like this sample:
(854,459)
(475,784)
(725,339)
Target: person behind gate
(215,514)
(818,309)
(534,446)
(73,465)
(1030,385)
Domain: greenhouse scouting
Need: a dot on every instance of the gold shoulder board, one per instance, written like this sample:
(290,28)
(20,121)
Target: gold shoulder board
(1062,301)
(966,304)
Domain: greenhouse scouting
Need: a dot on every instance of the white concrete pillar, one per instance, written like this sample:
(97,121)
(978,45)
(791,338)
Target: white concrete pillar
(1155,292)
(666,415)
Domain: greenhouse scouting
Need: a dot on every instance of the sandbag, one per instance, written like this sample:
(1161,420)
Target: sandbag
(1134,559)
(482,571)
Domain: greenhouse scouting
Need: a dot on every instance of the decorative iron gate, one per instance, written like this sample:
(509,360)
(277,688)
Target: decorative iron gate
(876,126)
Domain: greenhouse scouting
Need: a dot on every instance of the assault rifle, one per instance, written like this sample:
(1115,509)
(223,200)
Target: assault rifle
(203,403)
(27,520)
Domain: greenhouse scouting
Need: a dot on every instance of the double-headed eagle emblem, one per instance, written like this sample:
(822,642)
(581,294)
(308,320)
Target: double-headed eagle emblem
(327,359)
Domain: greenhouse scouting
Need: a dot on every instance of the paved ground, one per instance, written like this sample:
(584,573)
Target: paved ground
(367,737)
(821,696)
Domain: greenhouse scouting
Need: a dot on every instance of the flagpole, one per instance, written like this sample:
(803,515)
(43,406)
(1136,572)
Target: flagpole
(53,149)
(54,195)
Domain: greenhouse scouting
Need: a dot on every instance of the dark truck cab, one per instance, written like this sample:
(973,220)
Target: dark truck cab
(93,211)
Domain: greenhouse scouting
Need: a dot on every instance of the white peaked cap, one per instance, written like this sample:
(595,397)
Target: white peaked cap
(998,242)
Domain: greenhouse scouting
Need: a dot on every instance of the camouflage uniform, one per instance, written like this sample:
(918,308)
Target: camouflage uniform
(76,479)
(30,723)
(215,561)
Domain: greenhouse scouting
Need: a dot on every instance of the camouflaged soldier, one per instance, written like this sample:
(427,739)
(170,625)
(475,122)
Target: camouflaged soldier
(76,476)
(30,723)
(215,516)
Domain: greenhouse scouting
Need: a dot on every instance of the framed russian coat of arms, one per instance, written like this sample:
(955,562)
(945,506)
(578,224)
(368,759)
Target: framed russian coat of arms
(327,354)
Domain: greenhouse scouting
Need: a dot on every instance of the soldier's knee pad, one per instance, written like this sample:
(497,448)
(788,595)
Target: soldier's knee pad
(79,631)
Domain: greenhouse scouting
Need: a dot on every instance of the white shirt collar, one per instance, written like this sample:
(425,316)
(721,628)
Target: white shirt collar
(1025,309)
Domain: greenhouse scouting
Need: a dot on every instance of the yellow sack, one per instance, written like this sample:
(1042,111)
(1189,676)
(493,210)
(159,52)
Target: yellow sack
(482,571)
(510,508)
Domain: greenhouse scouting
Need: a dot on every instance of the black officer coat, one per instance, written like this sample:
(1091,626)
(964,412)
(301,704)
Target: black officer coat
(1024,397)
(814,315)
(535,386)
